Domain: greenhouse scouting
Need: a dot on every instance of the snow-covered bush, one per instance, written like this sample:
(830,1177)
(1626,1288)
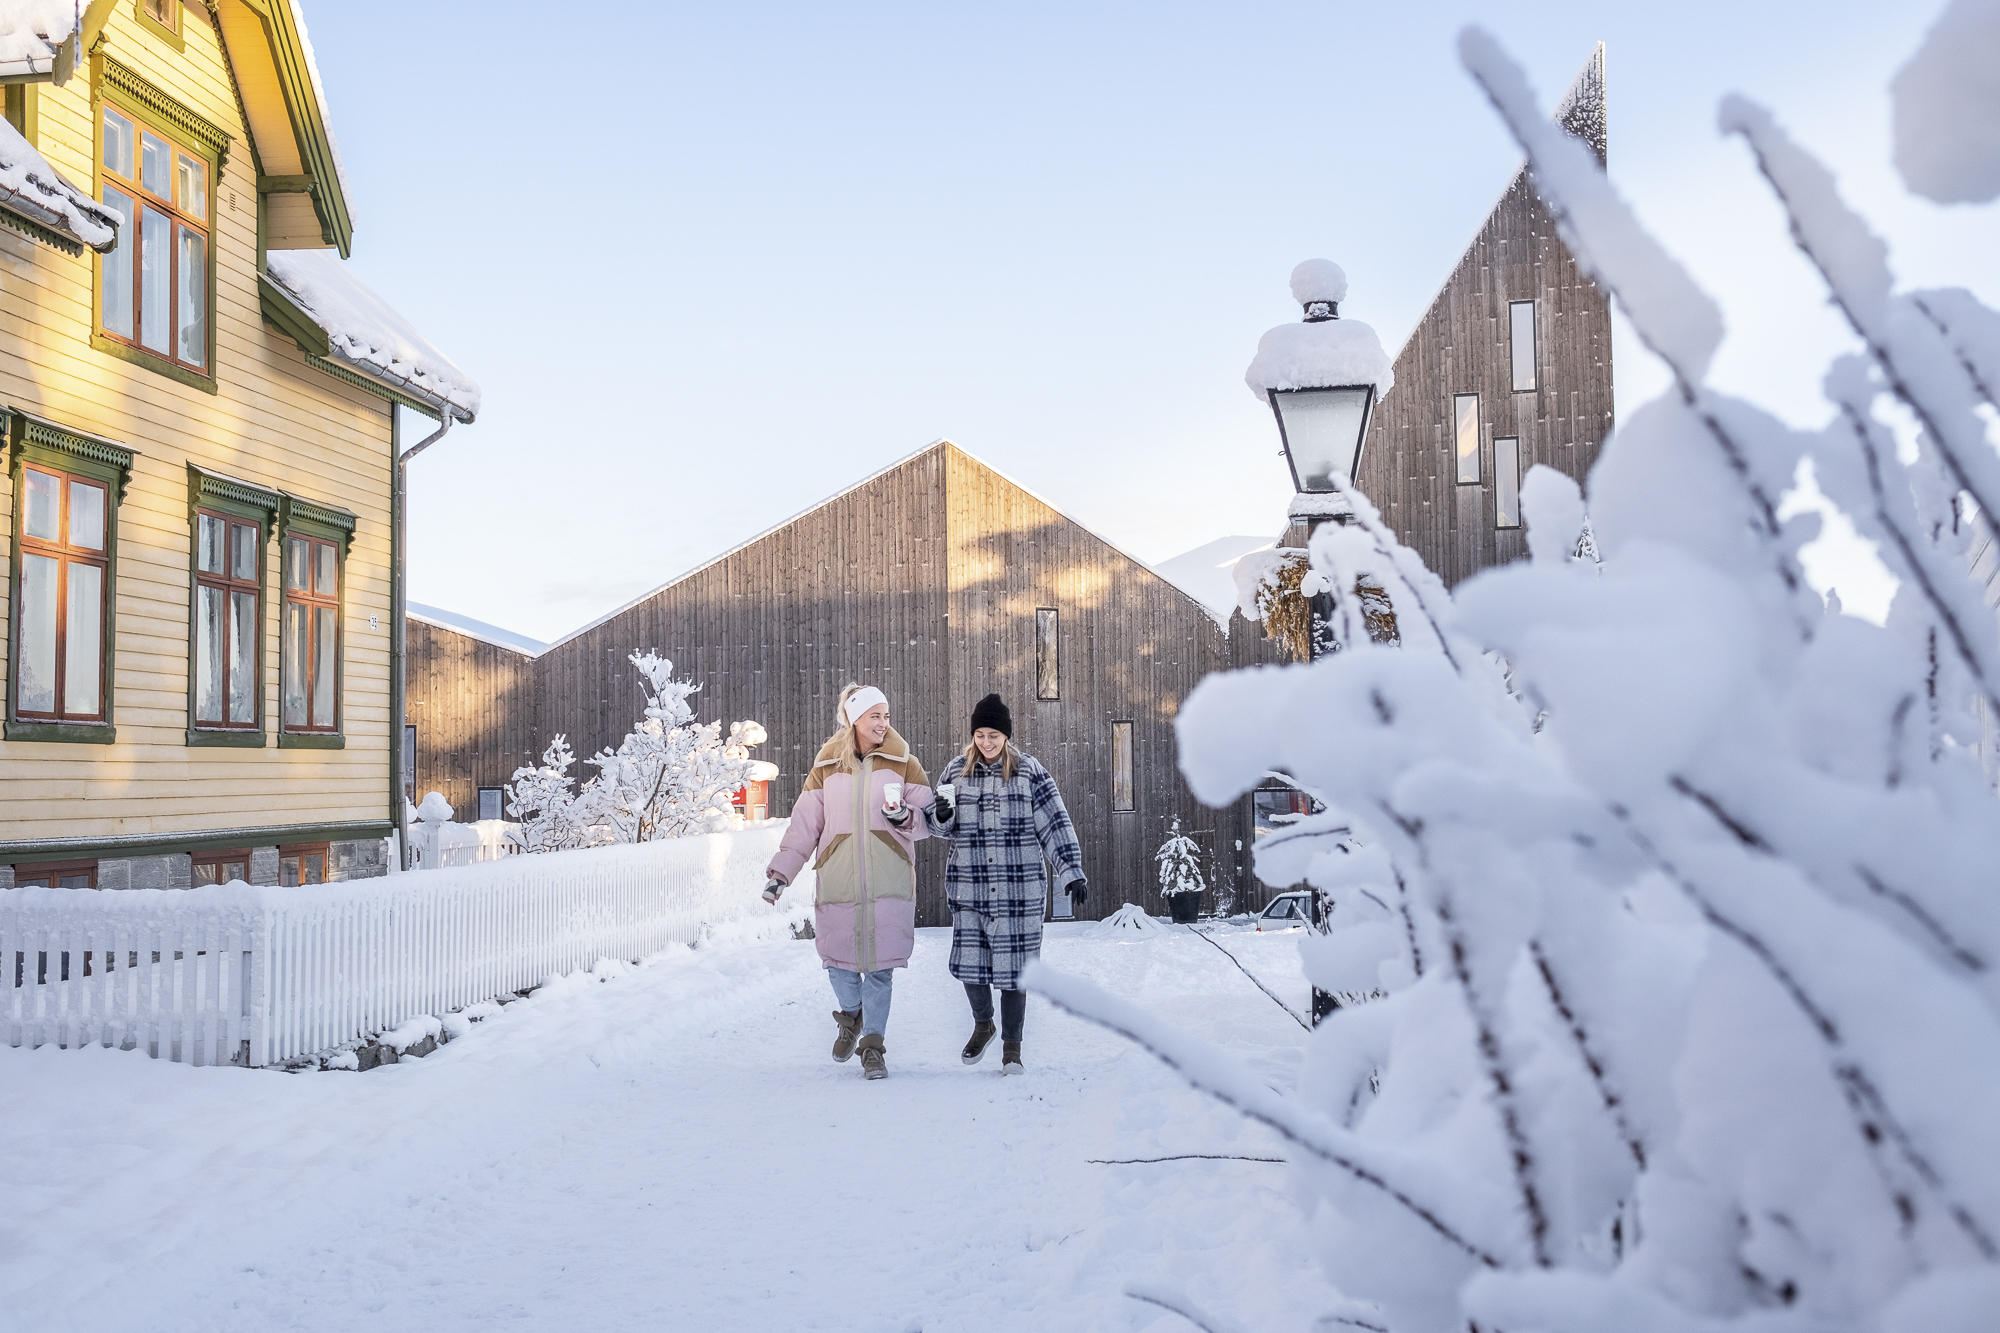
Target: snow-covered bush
(1179,861)
(669,778)
(1681,886)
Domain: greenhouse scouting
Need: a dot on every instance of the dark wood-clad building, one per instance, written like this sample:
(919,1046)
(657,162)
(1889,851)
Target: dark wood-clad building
(1510,367)
(937,580)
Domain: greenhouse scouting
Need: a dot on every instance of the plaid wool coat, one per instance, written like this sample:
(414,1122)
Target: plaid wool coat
(1001,831)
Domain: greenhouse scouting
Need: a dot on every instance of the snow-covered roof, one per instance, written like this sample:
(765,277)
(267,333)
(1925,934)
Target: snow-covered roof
(1221,619)
(319,96)
(1208,572)
(30,188)
(367,334)
(477,629)
(31,32)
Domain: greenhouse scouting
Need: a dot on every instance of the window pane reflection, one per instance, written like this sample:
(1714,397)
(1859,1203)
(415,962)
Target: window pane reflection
(243,538)
(38,635)
(193,322)
(116,271)
(296,632)
(242,656)
(298,551)
(44,506)
(118,137)
(1465,423)
(323,672)
(83,639)
(192,185)
(153,158)
(155,280)
(208,655)
(208,545)
(327,581)
(86,516)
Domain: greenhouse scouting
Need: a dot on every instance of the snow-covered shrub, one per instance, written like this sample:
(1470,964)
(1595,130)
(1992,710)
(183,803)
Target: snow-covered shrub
(1179,861)
(669,778)
(1681,886)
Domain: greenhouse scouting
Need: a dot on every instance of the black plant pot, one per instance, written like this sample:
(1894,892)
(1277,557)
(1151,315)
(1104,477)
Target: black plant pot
(1184,906)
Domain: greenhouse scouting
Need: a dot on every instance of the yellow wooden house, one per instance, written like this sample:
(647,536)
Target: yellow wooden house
(199,407)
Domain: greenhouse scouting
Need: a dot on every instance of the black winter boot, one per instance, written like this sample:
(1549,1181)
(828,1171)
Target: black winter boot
(975,1045)
(1010,1058)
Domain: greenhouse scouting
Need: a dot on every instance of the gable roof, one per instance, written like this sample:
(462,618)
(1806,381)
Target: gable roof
(934,445)
(477,629)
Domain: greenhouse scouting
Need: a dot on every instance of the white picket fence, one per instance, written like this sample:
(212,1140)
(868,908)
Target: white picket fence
(233,974)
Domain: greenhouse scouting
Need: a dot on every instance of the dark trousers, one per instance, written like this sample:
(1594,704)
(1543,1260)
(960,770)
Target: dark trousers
(1013,1009)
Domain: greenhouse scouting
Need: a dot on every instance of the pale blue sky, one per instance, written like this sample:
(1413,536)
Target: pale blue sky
(713,263)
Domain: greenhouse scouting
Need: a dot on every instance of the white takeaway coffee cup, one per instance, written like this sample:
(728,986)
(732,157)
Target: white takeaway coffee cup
(892,796)
(946,790)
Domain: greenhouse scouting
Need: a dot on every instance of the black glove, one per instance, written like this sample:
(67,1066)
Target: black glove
(941,811)
(1078,891)
(773,889)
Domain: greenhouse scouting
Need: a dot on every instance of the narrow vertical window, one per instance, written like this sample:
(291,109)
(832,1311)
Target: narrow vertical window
(1048,675)
(1465,434)
(410,762)
(229,580)
(1506,482)
(60,611)
(311,675)
(1121,766)
(1521,337)
(153,286)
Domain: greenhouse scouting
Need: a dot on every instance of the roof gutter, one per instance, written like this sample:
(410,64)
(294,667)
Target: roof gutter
(399,624)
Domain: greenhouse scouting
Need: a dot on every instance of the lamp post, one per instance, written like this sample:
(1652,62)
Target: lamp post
(1321,377)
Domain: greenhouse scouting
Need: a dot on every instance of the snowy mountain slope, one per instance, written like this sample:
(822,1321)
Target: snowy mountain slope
(1207,573)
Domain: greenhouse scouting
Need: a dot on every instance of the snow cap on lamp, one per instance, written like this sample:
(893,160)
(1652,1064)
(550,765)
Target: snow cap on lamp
(862,700)
(1325,351)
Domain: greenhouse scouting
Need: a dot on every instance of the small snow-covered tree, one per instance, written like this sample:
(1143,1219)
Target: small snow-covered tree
(670,777)
(1179,860)
(545,801)
(1679,882)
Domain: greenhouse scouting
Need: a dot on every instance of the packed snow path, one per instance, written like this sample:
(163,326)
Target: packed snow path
(673,1148)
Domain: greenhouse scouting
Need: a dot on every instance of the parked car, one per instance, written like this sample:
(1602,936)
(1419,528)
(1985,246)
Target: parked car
(1287,911)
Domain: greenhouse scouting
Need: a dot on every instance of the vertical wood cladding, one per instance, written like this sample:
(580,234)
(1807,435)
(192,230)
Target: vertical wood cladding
(923,580)
(472,703)
(1461,346)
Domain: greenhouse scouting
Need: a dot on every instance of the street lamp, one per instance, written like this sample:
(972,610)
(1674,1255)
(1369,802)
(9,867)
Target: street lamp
(1321,377)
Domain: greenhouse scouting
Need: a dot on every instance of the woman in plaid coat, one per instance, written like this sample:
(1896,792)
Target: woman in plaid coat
(1003,819)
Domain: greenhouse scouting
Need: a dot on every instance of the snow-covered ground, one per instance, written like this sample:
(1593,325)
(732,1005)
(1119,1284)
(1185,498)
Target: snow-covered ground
(673,1148)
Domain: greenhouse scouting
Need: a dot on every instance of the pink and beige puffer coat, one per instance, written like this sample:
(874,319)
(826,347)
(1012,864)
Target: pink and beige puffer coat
(865,889)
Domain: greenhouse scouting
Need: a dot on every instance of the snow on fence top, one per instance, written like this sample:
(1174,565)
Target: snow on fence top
(32,188)
(365,331)
(31,31)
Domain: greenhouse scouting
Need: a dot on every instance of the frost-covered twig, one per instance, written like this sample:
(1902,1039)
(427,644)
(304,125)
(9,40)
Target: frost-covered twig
(1253,980)
(1181,1157)
(1614,1105)
(1215,1073)
(1175,1301)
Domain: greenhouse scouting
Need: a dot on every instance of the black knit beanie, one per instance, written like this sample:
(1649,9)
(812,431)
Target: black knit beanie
(990,712)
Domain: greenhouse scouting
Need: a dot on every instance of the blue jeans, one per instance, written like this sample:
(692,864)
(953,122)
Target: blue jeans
(868,992)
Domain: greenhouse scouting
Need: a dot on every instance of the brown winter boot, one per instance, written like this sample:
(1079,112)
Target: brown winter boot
(1010,1058)
(843,1040)
(874,1061)
(975,1045)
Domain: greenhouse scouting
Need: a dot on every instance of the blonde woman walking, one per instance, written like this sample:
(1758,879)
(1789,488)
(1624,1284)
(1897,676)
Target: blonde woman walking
(864,781)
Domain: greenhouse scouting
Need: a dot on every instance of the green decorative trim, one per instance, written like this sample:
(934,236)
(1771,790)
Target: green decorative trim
(66,733)
(426,407)
(125,85)
(34,230)
(286,185)
(284,314)
(333,522)
(312,740)
(31,434)
(315,141)
(153,844)
(206,488)
(241,739)
(158,29)
(173,370)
